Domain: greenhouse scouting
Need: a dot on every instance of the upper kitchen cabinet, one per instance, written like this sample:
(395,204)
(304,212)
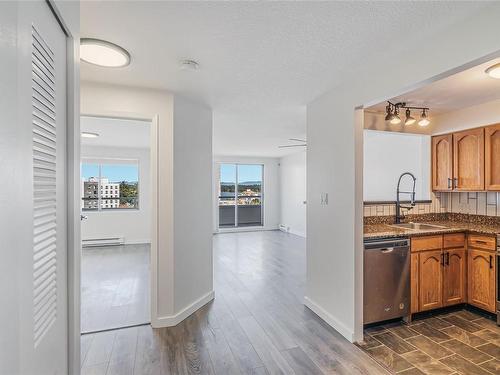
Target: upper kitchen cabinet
(468,160)
(442,162)
(492,157)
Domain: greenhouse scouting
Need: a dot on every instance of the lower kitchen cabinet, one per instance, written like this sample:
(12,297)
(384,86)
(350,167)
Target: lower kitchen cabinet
(481,278)
(454,276)
(430,280)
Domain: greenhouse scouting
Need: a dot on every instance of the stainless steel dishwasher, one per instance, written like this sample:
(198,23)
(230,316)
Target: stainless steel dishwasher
(386,272)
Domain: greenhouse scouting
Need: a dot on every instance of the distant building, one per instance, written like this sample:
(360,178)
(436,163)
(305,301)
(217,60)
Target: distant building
(110,194)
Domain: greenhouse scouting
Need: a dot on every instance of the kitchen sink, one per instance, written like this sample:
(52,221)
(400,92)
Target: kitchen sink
(417,226)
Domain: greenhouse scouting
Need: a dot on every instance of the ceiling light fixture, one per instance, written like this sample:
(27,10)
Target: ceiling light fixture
(424,121)
(102,53)
(395,119)
(392,114)
(493,71)
(409,119)
(89,135)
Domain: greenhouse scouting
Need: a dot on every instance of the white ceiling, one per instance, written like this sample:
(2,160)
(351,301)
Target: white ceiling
(464,89)
(116,132)
(260,62)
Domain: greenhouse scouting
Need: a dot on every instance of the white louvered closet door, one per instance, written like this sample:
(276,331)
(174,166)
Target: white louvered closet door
(42,116)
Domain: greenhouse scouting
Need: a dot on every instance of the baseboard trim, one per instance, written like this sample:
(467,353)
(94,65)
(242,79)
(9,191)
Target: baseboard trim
(173,320)
(328,318)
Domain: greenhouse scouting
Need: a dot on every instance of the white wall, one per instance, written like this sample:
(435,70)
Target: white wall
(335,161)
(271,189)
(469,117)
(134,225)
(182,141)
(387,155)
(293,193)
(192,202)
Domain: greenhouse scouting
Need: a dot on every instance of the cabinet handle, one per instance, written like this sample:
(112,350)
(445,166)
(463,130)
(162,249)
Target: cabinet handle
(447,258)
(455,183)
(481,241)
(449,183)
(442,259)
(491,262)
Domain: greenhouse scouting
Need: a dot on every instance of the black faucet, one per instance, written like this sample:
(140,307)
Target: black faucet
(399,215)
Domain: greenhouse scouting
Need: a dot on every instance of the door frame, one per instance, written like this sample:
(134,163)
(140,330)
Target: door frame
(71,29)
(154,160)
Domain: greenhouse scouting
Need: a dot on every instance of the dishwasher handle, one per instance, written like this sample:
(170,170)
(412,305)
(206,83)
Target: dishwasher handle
(387,250)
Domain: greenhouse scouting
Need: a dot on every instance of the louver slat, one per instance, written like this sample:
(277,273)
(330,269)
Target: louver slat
(44,187)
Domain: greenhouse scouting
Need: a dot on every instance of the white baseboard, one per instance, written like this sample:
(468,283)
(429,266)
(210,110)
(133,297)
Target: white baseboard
(300,234)
(331,320)
(245,229)
(173,320)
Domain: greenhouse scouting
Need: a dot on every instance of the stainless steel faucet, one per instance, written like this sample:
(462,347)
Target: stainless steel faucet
(399,215)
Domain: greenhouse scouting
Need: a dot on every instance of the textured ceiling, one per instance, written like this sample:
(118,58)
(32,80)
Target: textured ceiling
(260,62)
(116,132)
(464,89)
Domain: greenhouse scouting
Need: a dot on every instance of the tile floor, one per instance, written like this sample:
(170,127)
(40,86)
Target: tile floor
(115,287)
(460,342)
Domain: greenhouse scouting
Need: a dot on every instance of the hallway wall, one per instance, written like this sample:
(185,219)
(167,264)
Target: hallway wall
(293,193)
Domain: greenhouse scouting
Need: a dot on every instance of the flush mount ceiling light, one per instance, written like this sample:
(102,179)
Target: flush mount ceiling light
(493,71)
(392,114)
(89,135)
(102,53)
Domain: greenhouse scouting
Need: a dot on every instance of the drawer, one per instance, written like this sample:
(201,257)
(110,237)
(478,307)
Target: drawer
(427,243)
(453,240)
(482,242)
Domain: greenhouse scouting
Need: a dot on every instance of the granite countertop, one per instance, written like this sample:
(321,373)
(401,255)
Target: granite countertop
(385,230)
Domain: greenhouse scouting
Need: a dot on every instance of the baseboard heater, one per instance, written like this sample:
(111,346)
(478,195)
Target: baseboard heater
(108,241)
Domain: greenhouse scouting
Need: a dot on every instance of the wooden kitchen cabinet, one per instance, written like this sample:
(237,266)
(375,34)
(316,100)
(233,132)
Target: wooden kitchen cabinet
(454,276)
(492,157)
(468,160)
(481,278)
(430,280)
(442,162)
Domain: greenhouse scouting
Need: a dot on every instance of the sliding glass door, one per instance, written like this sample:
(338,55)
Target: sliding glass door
(240,195)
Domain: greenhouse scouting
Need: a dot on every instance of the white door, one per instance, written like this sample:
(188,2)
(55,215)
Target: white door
(42,120)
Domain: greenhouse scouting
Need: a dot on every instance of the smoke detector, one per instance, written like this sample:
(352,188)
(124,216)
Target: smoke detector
(189,65)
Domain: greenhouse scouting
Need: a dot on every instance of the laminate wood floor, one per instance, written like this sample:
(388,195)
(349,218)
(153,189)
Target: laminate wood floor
(115,287)
(257,323)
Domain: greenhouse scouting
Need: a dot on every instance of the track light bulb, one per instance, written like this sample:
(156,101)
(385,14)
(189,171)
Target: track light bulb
(424,121)
(395,118)
(409,119)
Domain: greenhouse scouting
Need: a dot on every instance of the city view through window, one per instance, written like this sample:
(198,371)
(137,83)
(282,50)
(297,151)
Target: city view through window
(240,195)
(109,186)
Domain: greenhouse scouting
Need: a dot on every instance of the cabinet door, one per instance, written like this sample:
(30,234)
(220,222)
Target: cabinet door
(430,280)
(442,162)
(492,157)
(481,279)
(468,159)
(454,276)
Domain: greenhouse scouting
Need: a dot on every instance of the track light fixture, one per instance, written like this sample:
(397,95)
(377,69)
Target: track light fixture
(392,114)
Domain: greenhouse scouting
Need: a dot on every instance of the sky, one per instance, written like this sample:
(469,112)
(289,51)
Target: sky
(115,173)
(246,172)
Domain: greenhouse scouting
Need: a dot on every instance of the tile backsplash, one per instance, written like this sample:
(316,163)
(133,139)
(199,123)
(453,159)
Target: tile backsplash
(477,203)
